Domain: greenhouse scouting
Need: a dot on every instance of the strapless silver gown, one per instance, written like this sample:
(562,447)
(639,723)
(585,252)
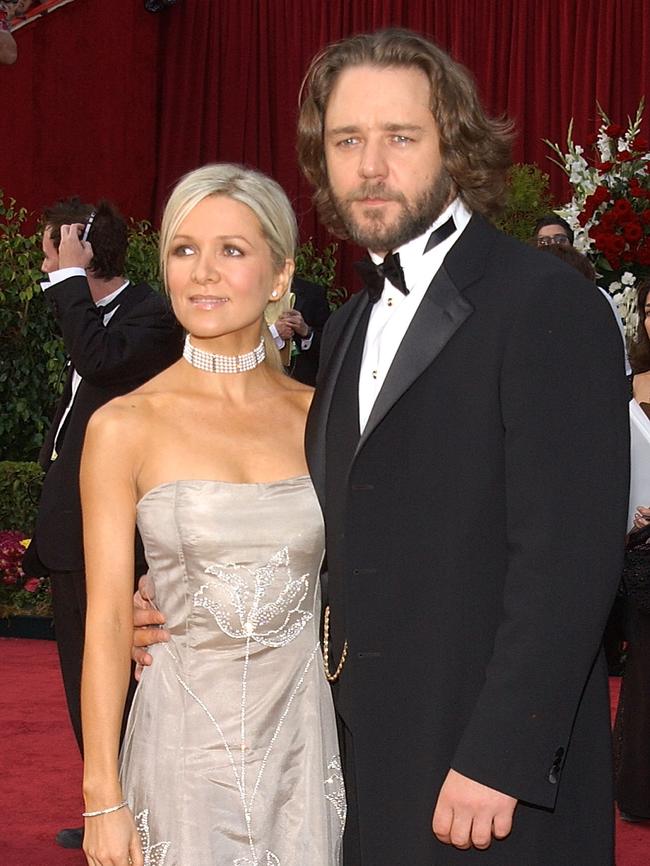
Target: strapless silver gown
(230,756)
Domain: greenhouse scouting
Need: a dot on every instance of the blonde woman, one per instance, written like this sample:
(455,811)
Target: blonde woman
(230,756)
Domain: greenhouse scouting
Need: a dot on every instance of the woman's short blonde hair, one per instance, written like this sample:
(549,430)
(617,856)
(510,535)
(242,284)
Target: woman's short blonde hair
(260,193)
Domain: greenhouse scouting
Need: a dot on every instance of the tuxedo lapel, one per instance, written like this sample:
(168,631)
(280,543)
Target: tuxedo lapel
(315,433)
(129,297)
(442,311)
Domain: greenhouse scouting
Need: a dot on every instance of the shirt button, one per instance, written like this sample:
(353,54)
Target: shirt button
(374,374)
(389,301)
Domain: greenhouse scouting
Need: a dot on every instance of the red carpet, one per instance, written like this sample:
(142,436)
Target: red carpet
(41,768)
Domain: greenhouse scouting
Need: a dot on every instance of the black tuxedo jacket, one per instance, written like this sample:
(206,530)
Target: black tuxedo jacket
(141,339)
(475,534)
(311,302)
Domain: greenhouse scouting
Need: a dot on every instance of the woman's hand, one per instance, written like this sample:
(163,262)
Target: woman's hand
(112,840)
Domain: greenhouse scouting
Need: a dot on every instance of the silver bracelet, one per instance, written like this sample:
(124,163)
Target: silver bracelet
(105,811)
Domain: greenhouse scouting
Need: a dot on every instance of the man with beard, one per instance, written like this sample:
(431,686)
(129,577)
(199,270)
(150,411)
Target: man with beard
(468,442)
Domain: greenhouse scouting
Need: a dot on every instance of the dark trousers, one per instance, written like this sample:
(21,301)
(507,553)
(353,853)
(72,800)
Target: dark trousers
(632,728)
(69,606)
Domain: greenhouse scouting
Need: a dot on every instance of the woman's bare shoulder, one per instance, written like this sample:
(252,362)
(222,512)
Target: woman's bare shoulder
(124,420)
(131,411)
(299,392)
(641,387)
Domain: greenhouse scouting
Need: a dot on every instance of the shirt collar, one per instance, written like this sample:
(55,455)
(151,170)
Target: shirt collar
(411,253)
(102,302)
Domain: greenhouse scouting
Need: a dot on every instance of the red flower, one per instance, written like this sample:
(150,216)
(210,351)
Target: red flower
(643,254)
(635,188)
(32,584)
(625,156)
(608,220)
(600,194)
(614,130)
(618,244)
(621,208)
(640,144)
(593,201)
(603,166)
(645,216)
(633,232)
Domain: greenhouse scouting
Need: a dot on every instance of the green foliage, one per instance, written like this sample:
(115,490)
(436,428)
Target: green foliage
(20,488)
(319,266)
(142,255)
(32,358)
(528,200)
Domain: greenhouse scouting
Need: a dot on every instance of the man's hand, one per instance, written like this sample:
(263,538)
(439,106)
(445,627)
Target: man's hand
(73,252)
(294,320)
(641,516)
(284,329)
(148,624)
(469,814)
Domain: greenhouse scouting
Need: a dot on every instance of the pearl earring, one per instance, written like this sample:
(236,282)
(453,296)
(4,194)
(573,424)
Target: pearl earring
(274,294)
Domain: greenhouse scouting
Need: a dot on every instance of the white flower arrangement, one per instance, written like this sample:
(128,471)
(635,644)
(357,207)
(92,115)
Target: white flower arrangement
(609,210)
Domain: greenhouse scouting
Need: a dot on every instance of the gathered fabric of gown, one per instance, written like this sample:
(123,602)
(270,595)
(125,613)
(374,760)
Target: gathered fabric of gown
(230,757)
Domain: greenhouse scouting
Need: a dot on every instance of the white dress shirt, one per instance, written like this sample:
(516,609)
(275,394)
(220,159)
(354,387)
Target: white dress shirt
(392,314)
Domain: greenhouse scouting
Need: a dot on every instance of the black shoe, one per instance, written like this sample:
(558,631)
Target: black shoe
(72,838)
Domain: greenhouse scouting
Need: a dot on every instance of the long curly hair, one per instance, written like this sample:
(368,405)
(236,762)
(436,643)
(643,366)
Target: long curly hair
(475,149)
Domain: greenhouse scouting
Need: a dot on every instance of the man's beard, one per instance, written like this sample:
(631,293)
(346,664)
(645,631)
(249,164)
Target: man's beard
(414,218)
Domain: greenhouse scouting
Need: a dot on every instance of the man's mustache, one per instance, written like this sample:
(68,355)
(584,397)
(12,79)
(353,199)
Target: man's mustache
(376,191)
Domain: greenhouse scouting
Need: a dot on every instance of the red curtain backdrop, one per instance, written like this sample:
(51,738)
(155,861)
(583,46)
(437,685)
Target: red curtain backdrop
(107,99)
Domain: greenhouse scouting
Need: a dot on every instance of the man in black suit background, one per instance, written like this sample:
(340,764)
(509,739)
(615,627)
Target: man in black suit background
(117,335)
(468,442)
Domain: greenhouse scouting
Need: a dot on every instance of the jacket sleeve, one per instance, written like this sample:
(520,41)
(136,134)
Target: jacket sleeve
(145,339)
(564,399)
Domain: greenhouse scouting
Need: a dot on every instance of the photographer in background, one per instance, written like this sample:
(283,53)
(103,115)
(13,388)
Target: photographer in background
(117,336)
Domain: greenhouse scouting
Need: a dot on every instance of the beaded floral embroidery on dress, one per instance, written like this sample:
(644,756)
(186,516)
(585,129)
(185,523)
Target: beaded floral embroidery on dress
(250,613)
(271,860)
(154,855)
(335,790)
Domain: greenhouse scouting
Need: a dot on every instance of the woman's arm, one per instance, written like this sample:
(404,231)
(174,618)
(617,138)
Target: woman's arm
(108,496)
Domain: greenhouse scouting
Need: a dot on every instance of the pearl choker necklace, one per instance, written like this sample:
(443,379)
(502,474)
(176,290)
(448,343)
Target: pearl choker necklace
(210,362)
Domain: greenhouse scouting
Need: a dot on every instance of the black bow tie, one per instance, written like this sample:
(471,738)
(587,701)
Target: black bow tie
(374,275)
(390,269)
